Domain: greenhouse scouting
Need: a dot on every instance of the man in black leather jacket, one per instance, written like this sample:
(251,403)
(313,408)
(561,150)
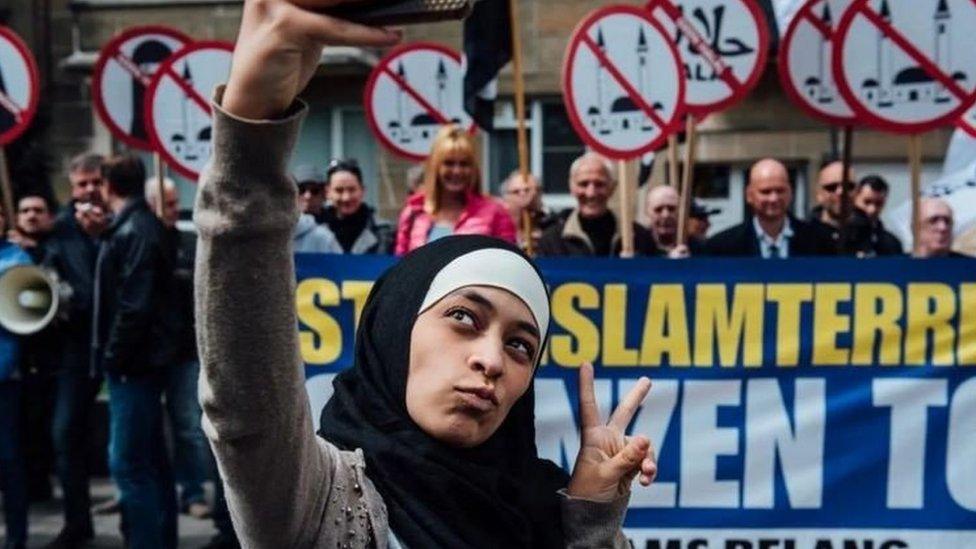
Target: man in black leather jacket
(132,343)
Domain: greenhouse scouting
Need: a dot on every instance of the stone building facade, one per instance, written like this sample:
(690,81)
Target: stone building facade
(66,35)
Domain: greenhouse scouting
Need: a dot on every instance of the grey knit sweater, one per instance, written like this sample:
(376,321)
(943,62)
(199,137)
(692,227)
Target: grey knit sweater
(286,487)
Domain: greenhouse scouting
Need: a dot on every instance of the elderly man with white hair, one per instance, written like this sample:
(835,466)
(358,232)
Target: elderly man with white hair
(662,207)
(935,229)
(590,229)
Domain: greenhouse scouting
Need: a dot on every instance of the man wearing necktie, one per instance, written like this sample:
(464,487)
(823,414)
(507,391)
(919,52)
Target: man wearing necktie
(770,232)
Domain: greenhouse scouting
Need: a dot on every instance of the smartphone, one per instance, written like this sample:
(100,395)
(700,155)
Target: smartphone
(400,12)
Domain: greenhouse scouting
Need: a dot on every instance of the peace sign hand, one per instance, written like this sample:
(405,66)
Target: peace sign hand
(608,460)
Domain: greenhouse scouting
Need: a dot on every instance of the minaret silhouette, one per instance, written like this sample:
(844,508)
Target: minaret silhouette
(399,96)
(184,108)
(441,84)
(641,58)
(150,53)
(642,50)
(943,53)
(602,45)
(825,95)
(885,68)
(404,134)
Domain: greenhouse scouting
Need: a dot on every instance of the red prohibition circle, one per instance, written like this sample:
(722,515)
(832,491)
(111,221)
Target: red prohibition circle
(762,32)
(863,113)
(966,125)
(576,39)
(378,72)
(108,53)
(27,115)
(784,70)
(163,70)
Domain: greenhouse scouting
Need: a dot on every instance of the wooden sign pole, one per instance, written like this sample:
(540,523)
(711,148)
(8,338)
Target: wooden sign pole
(846,154)
(160,169)
(626,209)
(846,159)
(915,166)
(523,141)
(8,194)
(684,207)
(673,161)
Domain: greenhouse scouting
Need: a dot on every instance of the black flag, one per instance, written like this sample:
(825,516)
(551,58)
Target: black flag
(487,49)
(775,33)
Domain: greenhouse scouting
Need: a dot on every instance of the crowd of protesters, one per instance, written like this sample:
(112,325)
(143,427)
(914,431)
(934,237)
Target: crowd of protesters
(445,197)
(129,324)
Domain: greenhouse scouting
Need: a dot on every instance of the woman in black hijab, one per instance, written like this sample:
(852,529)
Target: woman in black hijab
(428,440)
(492,484)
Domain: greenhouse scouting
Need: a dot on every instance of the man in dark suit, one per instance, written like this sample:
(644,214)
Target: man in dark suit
(770,232)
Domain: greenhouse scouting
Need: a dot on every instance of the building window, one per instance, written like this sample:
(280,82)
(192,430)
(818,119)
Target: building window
(560,146)
(711,181)
(551,150)
(502,157)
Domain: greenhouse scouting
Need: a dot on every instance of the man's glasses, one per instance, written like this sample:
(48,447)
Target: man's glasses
(832,187)
(313,189)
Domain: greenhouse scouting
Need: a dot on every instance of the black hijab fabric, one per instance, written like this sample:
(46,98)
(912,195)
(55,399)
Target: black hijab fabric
(499,494)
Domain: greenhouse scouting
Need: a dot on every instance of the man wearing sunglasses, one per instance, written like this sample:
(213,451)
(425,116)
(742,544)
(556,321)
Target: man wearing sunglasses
(835,207)
(311,191)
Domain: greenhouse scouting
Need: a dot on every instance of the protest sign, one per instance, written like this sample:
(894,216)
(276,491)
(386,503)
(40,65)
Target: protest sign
(723,46)
(413,91)
(805,56)
(125,67)
(907,66)
(178,105)
(19,86)
(818,405)
(622,82)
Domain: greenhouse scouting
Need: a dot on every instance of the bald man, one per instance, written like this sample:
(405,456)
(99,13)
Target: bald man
(661,207)
(770,231)
(834,213)
(935,232)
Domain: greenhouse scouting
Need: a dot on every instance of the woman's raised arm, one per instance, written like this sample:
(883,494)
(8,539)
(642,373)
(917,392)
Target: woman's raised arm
(276,470)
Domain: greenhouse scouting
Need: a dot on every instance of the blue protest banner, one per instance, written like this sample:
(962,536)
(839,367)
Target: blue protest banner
(796,404)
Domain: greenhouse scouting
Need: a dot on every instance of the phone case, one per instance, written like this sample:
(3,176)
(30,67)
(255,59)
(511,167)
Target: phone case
(400,12)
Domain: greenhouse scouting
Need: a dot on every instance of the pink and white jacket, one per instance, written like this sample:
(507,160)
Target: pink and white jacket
(482,215)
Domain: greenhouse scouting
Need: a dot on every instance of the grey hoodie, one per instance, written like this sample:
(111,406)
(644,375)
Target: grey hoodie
(311,238)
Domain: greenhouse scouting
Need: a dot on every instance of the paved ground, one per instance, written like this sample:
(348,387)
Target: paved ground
(46,521)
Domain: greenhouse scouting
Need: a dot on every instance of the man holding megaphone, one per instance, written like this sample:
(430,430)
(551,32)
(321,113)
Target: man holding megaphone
(71,250)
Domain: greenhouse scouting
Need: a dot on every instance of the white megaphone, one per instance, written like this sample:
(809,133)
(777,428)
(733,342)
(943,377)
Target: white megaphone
(29,299)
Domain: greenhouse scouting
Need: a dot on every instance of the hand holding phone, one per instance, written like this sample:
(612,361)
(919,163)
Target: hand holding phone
(278,50)
(400,12)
